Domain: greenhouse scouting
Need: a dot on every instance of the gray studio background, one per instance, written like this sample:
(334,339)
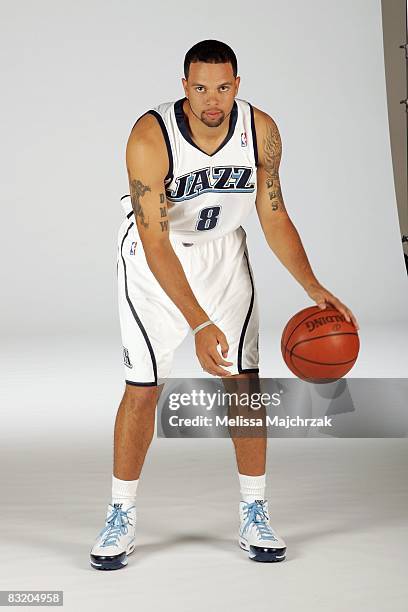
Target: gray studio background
(75,77)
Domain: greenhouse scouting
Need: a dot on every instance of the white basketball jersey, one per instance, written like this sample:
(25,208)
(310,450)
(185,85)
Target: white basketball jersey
(208,195)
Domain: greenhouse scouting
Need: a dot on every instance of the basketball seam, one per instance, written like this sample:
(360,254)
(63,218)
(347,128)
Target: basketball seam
(318,338)
(301,374)
(303,320)
(337,363)
(291,354)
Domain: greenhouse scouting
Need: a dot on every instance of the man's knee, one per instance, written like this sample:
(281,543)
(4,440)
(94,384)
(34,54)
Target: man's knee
(140,394)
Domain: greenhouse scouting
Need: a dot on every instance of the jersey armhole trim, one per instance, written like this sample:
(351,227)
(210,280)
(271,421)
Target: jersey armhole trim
(254,141)
(159,118)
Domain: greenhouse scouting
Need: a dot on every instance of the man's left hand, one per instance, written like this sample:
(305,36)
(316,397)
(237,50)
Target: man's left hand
(322,297)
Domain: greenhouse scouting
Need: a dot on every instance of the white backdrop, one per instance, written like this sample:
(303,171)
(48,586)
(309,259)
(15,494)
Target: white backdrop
(76,75)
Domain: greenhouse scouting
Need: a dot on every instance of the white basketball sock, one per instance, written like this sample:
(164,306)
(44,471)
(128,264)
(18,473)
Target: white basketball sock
(124,491)
(252,487)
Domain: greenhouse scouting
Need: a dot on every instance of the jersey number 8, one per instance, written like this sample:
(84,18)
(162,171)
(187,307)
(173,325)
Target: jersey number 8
(208,218)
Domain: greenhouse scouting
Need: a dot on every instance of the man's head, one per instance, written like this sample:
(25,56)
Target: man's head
(211,82)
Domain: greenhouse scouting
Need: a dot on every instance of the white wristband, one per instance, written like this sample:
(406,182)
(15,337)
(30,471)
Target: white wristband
(201,326)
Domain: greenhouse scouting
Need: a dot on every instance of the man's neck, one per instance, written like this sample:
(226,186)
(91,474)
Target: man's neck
(202,133)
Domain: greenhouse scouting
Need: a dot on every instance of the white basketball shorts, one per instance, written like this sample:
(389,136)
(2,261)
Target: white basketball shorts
(152,327)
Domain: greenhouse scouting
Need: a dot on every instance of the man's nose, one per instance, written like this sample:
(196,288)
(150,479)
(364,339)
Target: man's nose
(212,98)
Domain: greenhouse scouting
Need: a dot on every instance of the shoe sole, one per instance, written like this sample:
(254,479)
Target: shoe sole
(111,563)
(262,553)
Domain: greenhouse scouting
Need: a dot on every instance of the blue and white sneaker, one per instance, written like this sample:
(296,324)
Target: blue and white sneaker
(116,540)
(256,536)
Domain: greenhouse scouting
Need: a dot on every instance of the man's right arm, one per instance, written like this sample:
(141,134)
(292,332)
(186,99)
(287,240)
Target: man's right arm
(147,166)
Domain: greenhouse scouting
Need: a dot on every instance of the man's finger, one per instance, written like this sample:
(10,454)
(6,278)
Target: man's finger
(216,357)
(345,311)
(216,369)
(222,341)
(353,319)
(337,304)
(333,301)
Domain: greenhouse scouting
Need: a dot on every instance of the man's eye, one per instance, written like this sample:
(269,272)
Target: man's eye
(199,87)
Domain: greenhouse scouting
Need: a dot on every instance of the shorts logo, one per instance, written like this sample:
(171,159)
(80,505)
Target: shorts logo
(132,248)
(244,141)
(126,358)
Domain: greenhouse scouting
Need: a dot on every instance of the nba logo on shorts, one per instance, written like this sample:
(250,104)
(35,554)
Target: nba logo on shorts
(243,139)
(132,248)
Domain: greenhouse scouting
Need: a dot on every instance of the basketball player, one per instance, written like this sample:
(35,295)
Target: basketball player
(197,167)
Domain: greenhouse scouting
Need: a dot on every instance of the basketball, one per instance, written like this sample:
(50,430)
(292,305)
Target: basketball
(319,346)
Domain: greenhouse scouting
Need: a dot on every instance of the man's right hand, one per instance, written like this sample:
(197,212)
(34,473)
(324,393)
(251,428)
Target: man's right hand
(206,342)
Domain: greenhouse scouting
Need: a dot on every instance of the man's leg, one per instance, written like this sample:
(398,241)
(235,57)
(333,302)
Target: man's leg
(256,535)
(134,428)
(250,452)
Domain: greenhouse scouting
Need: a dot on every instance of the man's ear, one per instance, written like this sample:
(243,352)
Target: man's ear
(237,82)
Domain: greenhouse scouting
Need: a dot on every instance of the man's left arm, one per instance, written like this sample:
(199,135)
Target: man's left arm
(280,233)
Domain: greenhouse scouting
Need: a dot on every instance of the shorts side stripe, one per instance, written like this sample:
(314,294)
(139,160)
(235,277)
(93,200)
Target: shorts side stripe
(243,332)
(138,321)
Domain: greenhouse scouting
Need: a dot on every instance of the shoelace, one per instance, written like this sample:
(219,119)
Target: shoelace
(256,515)
(117,525)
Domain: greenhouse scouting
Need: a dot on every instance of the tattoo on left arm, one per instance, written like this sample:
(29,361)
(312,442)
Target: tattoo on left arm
(272,149)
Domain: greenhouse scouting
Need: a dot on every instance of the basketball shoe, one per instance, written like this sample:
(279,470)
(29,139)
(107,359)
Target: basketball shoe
(256,536)
(116,540)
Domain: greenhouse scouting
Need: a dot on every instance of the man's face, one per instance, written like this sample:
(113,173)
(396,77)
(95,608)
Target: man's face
(211,90)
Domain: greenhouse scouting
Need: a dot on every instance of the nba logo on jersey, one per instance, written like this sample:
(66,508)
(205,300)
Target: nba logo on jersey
(244,141)
(132,248)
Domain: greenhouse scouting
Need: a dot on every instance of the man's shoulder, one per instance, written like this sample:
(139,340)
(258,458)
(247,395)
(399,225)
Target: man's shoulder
(147,142)
(263,121)
(146,127)
(267,136)
(147,137)
(149,127)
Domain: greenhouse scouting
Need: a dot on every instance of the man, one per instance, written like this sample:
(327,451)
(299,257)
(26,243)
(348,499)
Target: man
(197,167)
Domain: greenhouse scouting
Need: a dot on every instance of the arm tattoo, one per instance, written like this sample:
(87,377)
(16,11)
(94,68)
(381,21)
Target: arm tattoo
(137,191)
(163,213)
(272,149)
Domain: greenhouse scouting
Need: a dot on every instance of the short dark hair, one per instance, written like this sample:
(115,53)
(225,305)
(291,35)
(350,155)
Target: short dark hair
(211,52)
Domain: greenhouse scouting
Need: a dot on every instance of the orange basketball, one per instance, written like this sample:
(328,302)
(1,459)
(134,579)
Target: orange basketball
(319,346)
